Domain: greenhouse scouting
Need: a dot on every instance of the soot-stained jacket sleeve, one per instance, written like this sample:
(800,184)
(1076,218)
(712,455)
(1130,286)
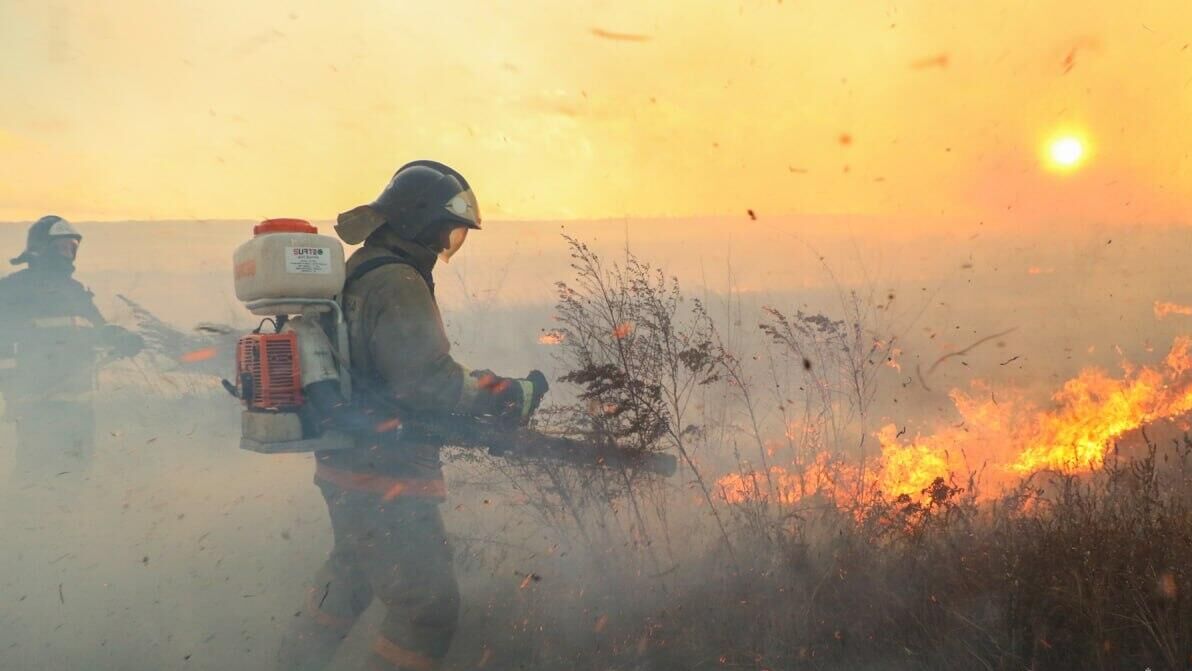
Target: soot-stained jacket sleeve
(86,306)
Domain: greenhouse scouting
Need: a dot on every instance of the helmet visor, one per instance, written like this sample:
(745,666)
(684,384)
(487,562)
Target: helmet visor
(62,229)
(455,240)
(463,208)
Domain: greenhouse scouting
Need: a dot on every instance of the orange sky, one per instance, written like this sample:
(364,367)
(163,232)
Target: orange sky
(143,109)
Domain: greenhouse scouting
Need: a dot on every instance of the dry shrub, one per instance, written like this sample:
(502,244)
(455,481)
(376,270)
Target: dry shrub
(1086,571)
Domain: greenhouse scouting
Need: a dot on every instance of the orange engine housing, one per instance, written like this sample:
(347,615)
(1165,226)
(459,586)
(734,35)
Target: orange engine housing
(268,371)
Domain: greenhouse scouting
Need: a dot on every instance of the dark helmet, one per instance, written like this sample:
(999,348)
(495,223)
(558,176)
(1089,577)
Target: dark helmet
(42,234)
(422,196)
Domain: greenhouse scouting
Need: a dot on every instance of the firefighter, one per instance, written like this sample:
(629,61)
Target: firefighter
(51,336)
(383,496)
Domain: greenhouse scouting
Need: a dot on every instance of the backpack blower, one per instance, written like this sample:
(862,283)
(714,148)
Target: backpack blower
(294,382)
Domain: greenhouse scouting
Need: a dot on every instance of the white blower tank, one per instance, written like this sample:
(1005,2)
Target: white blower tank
(290,272)
(287,259)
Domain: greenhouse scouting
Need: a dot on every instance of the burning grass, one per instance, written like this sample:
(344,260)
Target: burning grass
(1005,436)
(1015,538)
(1062,572)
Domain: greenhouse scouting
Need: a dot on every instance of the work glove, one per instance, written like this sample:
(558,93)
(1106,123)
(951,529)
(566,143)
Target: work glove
(124,343)
(511,400)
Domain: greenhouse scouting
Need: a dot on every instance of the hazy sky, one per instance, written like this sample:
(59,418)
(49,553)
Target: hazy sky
(213,108)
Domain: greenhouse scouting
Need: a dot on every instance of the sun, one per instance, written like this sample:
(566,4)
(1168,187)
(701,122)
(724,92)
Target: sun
(1066,152)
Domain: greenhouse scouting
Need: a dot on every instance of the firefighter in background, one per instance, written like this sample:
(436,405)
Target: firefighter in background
(384,495)
(51,335)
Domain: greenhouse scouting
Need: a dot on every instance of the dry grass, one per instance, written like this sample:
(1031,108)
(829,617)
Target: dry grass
(1065,572)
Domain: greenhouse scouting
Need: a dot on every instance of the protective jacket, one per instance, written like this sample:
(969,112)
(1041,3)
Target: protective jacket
(383,497)
(401,368)
(49,334)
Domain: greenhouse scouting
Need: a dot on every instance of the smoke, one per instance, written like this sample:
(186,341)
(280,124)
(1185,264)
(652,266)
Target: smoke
(177,550)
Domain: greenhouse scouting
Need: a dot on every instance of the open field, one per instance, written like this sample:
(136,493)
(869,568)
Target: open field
(179,551)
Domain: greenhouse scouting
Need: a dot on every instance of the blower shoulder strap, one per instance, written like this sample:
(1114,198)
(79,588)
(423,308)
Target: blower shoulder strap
(369,266)
(362,381)
(374,263)
(360,271)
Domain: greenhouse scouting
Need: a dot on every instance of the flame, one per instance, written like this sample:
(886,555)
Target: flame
(1003,435)
(1164,308)
(907,469)
(388,425)
(552,337)
(825,476)
(198,355)
(1167,585)
(622,330)
(597,409)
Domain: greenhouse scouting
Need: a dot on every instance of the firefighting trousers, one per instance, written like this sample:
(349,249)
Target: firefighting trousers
(394,550)
(53,439)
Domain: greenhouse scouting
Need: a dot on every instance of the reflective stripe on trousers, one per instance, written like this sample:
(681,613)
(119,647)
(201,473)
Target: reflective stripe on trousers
(392,656)
(387,487)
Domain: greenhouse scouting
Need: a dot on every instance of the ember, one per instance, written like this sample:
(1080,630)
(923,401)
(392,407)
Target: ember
(205,354)
(1163,309)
